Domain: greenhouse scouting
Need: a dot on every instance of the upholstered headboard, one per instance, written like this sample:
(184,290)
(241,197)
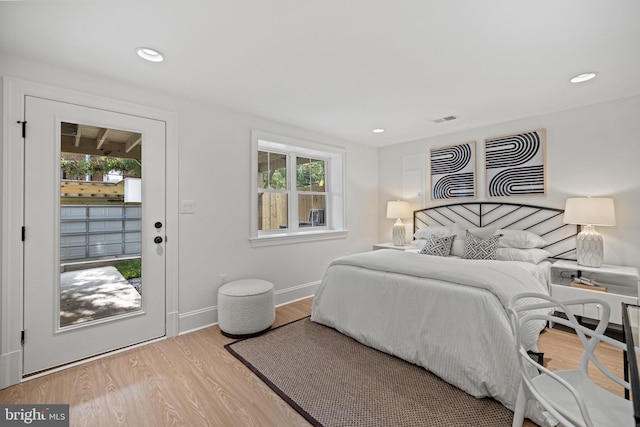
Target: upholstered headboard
(545,222)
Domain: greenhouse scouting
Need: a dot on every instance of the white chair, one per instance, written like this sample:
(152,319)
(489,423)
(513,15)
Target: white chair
(568,395)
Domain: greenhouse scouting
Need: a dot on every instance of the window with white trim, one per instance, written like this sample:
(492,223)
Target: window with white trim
(297,190)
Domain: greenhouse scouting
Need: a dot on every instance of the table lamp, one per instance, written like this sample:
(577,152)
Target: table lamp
(398,209)
(589,212)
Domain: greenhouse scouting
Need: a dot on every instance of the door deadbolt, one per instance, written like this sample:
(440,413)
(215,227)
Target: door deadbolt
(158,224)
(158,239)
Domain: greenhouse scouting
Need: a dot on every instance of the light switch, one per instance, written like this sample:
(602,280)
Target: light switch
(187,206)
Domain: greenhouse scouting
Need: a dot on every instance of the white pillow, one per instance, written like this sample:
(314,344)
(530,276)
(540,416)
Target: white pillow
(435,231)
(483,232)
(520,239)
(419,243)
(534,256)
(457,248)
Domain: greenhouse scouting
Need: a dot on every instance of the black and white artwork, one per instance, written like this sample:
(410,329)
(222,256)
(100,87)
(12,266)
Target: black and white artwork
(515,164)
(453,171)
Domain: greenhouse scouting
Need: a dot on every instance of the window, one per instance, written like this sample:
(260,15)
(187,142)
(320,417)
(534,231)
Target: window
(299,194)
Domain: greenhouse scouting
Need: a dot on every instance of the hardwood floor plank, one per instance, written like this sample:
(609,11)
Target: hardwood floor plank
(191,380)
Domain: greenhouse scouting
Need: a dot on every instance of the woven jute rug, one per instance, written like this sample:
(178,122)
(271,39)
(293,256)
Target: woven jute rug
(332,380)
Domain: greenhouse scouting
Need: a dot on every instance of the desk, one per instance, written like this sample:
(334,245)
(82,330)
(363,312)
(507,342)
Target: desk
(631,332)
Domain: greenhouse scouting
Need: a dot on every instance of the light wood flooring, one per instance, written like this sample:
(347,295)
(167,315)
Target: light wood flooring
(191,380)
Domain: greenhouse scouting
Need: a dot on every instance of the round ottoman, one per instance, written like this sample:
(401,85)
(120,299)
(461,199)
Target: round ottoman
(246,308)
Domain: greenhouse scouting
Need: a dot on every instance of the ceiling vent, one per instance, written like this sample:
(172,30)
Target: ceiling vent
(444,119)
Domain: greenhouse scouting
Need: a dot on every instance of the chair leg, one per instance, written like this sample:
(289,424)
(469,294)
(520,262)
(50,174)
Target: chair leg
(518,411)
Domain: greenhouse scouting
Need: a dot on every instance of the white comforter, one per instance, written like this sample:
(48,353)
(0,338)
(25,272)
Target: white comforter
(447,315)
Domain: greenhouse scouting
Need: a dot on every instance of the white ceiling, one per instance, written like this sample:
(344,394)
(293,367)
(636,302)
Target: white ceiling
(344,67)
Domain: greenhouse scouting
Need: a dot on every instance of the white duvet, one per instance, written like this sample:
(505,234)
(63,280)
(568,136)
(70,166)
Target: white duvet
(447,315)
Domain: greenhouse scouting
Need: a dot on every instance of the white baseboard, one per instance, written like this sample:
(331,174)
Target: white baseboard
(205,317)
(197,319)
(296,293)
(11,364)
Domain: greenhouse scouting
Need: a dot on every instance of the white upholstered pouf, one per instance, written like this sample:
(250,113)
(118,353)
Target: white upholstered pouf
(246,307)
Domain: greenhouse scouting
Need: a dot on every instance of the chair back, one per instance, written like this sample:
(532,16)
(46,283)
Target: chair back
(528,308)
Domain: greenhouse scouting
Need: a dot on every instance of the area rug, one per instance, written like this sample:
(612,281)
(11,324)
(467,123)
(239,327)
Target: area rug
(332,380)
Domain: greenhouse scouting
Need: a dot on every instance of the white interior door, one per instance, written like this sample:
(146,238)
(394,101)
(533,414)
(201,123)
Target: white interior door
(79,232)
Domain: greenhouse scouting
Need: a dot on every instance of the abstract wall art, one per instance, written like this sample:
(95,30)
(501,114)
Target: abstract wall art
(515,164)
(453,171)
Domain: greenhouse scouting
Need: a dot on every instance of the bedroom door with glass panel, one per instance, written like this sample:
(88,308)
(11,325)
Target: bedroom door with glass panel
(94,214)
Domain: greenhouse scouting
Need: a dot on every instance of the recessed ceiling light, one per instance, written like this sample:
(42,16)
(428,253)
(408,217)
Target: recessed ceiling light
(149,54)
(583,77)
(378,130)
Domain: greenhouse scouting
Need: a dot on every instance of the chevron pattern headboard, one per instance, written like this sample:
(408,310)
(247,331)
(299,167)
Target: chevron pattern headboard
(545,222)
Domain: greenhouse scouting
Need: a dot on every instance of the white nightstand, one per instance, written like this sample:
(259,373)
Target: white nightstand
(390,245)
(623,285)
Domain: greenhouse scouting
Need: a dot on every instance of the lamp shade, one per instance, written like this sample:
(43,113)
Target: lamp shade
(398,209)
(590,211)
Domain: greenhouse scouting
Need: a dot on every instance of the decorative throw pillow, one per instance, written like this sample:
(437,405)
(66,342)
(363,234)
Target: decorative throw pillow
(478,248)
(438,246)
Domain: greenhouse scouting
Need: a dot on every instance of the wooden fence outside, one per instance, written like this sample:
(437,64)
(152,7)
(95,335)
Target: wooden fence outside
(272,210)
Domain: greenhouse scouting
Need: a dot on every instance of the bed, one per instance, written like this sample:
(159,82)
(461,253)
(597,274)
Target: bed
(445,313)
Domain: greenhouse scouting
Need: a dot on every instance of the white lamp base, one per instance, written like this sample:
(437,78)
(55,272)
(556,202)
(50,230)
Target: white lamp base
(589,247)
(399,233)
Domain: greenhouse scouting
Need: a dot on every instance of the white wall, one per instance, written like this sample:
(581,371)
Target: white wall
(214,171)
(591,151)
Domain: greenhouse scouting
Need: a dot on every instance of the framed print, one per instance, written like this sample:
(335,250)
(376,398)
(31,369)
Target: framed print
(453,171)
(515,164)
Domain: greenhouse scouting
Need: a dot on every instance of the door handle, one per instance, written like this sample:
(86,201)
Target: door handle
(157,240)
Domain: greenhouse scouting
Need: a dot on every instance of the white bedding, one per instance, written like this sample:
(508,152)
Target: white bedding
(445,314)
(540,271)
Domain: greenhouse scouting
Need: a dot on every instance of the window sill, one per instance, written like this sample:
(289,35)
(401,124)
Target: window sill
(299,237)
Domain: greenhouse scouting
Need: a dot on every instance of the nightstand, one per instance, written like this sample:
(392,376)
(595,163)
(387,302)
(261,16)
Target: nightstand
(622,286)
(390,245)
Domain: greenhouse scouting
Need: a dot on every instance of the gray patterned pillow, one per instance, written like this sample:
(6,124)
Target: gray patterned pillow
(478,248)
(438,246)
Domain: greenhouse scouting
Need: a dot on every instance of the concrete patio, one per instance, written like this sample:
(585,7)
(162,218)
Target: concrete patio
(95,293)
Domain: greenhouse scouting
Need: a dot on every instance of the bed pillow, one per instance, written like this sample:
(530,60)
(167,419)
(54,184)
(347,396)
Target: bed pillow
(437,231)
(534,256)
(479,248)
(457,248)
(483,232)
(459,231)
(438,246)
(520,239)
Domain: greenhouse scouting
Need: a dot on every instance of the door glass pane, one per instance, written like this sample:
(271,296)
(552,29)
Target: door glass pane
(100,223)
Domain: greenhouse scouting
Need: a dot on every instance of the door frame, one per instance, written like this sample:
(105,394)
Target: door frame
(12,279)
